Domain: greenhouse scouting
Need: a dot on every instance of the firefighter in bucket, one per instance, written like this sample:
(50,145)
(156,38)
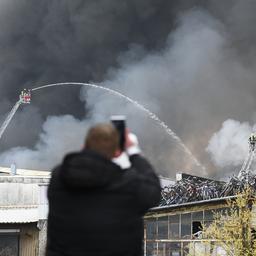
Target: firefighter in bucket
(252,141)
(25,96)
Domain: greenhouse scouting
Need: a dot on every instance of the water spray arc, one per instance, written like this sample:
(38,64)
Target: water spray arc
(25,97)
(138,105)
(9,118)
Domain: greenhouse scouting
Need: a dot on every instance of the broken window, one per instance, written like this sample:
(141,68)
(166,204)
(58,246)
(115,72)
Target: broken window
(196,229)
(197,220)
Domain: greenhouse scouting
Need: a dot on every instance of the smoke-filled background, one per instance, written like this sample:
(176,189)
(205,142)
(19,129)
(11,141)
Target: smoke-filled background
(190,62)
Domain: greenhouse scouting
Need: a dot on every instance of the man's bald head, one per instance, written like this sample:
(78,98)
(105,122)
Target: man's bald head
(104,139)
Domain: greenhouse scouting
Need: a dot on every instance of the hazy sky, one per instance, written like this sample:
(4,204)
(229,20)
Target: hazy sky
(190,62)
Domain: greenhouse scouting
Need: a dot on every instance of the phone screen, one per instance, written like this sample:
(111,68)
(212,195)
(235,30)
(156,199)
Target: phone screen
(119,123)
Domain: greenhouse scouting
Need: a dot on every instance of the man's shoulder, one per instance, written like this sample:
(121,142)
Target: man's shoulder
(55,175)
(55,170)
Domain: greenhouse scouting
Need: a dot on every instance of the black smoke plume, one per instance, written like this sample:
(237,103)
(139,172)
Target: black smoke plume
(190,62)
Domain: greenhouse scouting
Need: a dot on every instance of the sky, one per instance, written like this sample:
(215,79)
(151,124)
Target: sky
(192,63)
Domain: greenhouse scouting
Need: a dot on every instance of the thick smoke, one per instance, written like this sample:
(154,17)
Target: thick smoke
(53,143)
(229,146)
(55,41)
(192,64)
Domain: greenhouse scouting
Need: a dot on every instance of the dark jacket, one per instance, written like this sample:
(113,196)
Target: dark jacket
(96,208)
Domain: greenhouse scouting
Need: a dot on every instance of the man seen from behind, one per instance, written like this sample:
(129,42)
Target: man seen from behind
(96,207)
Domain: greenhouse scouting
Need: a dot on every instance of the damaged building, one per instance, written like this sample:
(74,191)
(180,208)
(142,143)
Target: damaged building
(23,212)
(174,229)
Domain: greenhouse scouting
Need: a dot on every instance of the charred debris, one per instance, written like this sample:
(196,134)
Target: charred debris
(188,188)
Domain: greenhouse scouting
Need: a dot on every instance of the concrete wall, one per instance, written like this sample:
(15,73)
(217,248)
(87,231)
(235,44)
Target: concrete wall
(24,207)
(42,226)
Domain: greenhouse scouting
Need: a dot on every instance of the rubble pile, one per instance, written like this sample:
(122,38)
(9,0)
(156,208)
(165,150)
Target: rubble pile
(192,188)
(189,190)
(195,189)
(238,184)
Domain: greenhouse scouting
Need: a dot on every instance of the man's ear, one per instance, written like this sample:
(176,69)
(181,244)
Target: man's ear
(117,153)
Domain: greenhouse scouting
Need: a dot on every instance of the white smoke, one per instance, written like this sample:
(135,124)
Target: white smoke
(54,142)
(229,146)
(191,84)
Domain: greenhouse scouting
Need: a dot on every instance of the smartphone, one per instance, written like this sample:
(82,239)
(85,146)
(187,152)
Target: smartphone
(119,122)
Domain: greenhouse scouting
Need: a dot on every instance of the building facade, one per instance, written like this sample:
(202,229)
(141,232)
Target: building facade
(175,230)
(23,212)
(172,230)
